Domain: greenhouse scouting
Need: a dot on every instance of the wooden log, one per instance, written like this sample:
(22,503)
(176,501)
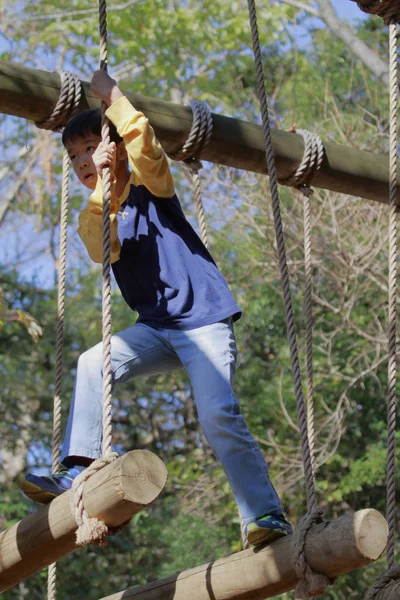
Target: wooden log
(332,548)
(387,10)
(390,592)
(32,94)
(114,494)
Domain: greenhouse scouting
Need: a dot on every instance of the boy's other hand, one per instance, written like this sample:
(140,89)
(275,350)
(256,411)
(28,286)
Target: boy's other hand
(105,156)
(105,87)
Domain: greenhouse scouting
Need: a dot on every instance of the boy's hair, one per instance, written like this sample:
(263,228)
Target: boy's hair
(86,122)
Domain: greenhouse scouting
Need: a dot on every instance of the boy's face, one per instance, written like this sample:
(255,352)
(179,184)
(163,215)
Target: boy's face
(80,152)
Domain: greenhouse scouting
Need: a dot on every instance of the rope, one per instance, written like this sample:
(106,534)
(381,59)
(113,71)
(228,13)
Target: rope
(60,314)
(310,163)
(389,10)
(90,529)
(392,338)
(67,103)
(106,281)
(93,530)
(199,137)
(310,584)
(392,371)
(309,327)
(392,574)
(312,578)
(66,106)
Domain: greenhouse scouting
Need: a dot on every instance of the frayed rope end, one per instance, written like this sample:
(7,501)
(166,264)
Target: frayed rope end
(311,587)
(92,531)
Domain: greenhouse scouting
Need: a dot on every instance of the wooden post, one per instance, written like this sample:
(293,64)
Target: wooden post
(332,548)
(114,494)
(32,94)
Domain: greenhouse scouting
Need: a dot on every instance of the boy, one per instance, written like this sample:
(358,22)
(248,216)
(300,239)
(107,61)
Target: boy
(185,307)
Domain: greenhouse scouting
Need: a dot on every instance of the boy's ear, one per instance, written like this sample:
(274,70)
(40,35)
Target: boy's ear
(121,152)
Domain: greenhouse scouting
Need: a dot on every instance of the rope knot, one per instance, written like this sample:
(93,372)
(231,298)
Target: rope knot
(310,163)
(200,132)
(67,103)
(90,529)
(193,165)
(198,139)
(311,584)
(393,574)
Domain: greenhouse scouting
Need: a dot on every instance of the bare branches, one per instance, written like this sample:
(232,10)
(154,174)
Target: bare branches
(343,31)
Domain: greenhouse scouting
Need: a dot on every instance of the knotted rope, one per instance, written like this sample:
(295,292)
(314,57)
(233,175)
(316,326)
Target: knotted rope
(90,530)
(312,580)
(310,163)
(389,10)
(392,570)
(67,103)
(199,137)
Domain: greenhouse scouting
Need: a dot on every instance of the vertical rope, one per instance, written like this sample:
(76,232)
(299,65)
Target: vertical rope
(309,328)
(52,570)
(193,166)
(301,411)
(393,570)
(106,274)
(91,529)
(392,367)
(60,314)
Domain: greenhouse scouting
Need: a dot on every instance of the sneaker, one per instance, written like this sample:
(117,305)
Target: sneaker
(266,529)
(44,489)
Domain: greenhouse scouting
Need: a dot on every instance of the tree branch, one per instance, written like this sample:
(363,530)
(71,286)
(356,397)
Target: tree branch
(357,47)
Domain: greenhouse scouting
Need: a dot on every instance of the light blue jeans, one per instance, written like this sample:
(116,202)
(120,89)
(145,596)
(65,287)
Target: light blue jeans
(209,356)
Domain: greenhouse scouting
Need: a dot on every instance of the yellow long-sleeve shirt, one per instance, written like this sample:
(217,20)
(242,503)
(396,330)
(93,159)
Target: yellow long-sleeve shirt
(149,168)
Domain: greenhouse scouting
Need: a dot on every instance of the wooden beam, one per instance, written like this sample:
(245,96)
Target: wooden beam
(386,10)
(332,548)
(32,94)
(390,592)
(114,494)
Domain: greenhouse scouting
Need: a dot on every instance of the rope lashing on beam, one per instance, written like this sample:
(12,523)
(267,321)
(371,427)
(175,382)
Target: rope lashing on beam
(310,580)
(389,10)
(199,137)
(310,163)
(90,530)
(310,584)
(67,103)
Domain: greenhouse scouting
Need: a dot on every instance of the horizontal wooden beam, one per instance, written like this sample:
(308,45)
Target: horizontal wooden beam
(114,494)
(332,548)
(387,11)
(390,592)
(32,94)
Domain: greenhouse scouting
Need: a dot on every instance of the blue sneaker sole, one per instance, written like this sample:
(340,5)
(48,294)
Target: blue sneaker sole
(35,493)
